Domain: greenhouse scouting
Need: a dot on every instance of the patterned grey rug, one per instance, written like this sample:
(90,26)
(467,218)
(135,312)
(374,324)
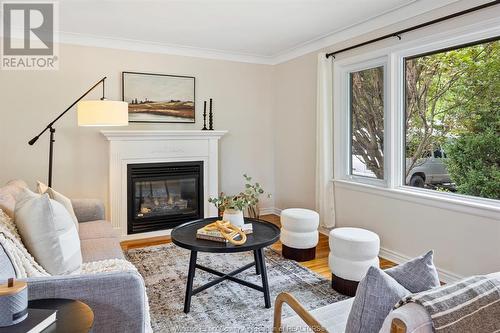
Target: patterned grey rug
(227,307)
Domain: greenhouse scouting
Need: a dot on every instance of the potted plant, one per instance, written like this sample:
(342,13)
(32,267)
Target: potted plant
(233,206)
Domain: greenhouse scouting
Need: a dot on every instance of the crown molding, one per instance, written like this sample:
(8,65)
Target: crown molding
(393,16)
(161,48)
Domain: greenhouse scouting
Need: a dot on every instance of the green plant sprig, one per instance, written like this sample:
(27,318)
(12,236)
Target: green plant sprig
(248,198)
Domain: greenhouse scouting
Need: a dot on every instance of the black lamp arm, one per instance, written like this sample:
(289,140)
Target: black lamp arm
(49,126)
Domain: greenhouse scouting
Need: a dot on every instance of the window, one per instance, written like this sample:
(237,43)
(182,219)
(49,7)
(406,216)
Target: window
(367,122)
(452,120)
(420,120)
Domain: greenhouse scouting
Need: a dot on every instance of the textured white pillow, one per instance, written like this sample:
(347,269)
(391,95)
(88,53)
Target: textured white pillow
(48,232)
(54,195)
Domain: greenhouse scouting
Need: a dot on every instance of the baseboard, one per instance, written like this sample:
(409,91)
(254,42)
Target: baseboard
(145,235)
(398,258)
(324,230)
(270,211)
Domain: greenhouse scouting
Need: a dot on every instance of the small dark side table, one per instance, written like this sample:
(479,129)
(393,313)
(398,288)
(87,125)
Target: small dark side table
(72,315)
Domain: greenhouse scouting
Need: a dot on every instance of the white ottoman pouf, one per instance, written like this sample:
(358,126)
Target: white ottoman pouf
(299,233)
(352,252)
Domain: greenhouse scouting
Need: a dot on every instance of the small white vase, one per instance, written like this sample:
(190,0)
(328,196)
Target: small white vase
(234,216)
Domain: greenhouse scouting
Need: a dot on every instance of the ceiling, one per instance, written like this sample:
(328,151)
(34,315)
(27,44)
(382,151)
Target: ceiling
(255,29)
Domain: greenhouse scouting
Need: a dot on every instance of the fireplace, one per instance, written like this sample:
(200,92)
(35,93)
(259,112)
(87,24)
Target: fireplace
(128,147)
(163,195)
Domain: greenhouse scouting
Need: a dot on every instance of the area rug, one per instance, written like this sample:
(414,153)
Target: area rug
(227,307)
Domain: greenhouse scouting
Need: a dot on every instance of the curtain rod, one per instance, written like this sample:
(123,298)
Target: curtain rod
(398,33)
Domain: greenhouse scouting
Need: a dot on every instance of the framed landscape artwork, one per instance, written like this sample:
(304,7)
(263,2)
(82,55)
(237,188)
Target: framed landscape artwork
(159,98)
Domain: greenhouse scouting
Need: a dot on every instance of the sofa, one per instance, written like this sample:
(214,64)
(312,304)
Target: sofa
(116,298)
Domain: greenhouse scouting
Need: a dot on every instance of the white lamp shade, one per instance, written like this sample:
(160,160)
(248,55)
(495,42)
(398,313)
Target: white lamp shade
(102,113)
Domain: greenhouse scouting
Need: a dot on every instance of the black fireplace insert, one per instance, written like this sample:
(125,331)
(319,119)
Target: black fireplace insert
(164,195)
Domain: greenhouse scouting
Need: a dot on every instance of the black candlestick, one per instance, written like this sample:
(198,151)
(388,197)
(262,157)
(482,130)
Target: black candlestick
(204,116)
(211,118)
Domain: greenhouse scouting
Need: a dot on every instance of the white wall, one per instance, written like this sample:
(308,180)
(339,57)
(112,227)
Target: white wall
(295,138)
(242,96)
(464,243)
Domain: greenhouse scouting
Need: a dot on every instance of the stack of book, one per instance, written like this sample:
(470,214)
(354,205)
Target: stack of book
(216,236)
(37,321)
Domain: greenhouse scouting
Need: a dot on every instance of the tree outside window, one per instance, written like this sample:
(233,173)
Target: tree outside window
(453,120)
(367,122)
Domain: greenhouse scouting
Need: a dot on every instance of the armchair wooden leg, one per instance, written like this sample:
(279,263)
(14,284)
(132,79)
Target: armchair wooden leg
(299,309)
(278,305)
(398,326)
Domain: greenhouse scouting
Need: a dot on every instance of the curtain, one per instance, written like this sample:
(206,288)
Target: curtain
(325,203)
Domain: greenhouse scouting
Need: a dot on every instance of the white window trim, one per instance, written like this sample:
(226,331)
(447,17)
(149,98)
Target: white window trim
(393,184)
(344,169)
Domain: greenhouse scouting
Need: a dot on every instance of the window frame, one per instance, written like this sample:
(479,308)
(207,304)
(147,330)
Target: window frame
(346,92)
(394,128)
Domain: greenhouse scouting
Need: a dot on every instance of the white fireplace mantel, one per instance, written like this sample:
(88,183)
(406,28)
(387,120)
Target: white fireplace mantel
(136,135)
(157,146)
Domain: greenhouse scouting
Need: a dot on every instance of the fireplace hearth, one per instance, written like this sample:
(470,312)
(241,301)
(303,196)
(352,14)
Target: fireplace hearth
(163,195)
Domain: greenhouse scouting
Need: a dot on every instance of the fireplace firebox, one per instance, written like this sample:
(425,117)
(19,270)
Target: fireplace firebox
(163,195)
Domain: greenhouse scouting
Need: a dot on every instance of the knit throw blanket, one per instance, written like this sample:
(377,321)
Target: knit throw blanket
(469,305)
(23,262)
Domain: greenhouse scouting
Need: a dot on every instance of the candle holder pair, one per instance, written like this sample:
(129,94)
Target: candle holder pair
(210,117)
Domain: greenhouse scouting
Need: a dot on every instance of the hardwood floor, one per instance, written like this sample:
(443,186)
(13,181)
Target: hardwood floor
(318,265)
(135,244)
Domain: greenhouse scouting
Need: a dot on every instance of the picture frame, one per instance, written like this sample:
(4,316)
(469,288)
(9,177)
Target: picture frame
(159,98)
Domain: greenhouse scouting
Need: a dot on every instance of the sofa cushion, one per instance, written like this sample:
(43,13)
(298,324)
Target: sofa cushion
(63,200)
(18,182)
(88,209)
(7,201)
(8,194)
(416,275)
(96,229)
(376,295)
(48,232)
(101,249)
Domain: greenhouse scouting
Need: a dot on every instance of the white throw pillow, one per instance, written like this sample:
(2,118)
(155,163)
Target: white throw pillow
(54,195)
(48,232)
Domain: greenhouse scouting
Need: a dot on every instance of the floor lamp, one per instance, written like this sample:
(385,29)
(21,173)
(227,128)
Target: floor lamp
(90,113)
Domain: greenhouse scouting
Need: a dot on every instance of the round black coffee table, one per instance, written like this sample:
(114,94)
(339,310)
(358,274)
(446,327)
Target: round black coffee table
(264,234)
